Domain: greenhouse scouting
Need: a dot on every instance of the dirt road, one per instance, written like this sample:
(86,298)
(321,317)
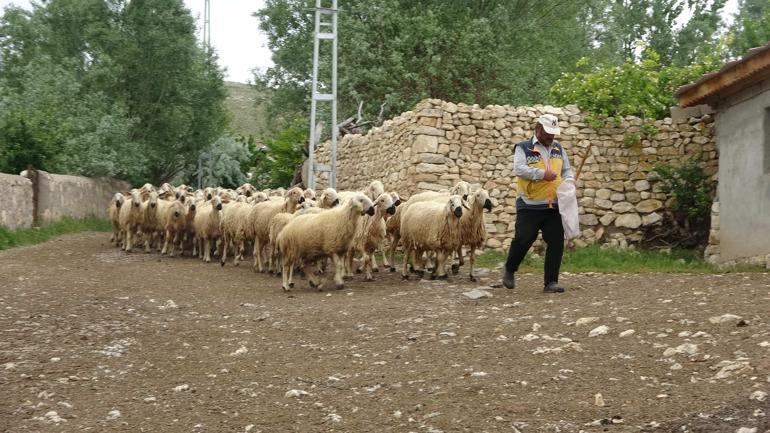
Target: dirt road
(92,339)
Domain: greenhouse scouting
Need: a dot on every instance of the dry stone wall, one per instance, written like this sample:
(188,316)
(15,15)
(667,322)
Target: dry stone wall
(439,143)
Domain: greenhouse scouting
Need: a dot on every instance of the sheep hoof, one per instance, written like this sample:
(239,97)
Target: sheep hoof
(376,269)
(368,279)
(404,277)
(291,285)
(430,269)
(284,288)
(222,264)
(442,277)
(473,278)
(411,268)
(236,264)
(312,284)
(392,269)
(420,274)
(358,271)
(339,286)
(432,277)
(455,269)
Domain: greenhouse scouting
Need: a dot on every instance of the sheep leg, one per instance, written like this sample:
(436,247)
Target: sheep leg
(258,255)
(471,260)
(461,261)
(385,262)
(165,244)
(367,260)
(129,239)
(238,252)
(147,241)
(225,246)
(207,250)
(404,272)
(309,269)
(339,270)
(285,277)
(392,253)
(348,264)
(440,270)
(373,261)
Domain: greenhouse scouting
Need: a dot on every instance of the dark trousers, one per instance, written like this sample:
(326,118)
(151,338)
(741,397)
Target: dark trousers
(528,223)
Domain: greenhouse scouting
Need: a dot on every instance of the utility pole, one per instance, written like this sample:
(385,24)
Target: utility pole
(207,25)
(325,30)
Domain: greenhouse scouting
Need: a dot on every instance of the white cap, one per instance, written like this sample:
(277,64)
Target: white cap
(550,123)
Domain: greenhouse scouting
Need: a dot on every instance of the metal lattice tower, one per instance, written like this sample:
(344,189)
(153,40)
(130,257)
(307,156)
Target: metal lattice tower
(325,31)
(207,25)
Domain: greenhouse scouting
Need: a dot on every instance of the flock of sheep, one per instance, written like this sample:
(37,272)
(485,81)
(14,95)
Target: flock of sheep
(297,229)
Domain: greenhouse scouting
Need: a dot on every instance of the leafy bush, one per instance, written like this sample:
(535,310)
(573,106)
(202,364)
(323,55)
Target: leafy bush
(688,186)
(644,89)
(275,163)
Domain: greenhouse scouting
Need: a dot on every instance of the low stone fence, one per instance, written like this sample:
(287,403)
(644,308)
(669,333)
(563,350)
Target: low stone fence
(40,197)
(439,143)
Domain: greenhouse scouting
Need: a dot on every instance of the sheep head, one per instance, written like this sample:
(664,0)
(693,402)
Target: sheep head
(396,198)
(119,199)
(480,199)
(259,197)
(384,203)
(462,188)
(455,205)
(362,204)
(309,194)
(136,197)
(153,200)
(329,198)
(216,202)
(374,189)
(295,195)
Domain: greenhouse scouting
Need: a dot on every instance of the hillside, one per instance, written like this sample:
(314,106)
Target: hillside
(248,118)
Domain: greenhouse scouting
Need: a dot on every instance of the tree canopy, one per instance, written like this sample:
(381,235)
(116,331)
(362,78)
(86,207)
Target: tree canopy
(106,87)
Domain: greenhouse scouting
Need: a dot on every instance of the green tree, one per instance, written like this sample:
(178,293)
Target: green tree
(399,51)
(644,89)
(751,27)
(221,164)
(275,163)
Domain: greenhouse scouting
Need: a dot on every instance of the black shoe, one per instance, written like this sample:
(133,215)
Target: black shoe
(553,287)
(508,280)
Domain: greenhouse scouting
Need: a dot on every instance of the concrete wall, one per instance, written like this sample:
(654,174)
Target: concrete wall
(744,183)
(75,196)
(16,207)
(58,196)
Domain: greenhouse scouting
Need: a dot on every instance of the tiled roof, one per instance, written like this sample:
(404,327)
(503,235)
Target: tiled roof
(729,75)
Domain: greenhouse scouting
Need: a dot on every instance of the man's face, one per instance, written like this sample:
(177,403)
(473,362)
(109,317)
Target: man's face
(542,136)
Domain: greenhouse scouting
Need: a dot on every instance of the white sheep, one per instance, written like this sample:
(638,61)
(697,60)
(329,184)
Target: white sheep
(113,210)
(309,238)
(130,217)
(277,223)
(234,217)
(172,219)
(149,221)
(431,226)
(259,220)
(473,232)
(372,191)
(370,234)
(328,199)
(206,225)
(393,224)
(309,194)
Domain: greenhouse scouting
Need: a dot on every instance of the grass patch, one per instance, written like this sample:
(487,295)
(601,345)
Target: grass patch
(595,259)
(36,235)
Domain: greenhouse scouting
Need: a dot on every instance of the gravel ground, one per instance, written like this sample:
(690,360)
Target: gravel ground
(92,339)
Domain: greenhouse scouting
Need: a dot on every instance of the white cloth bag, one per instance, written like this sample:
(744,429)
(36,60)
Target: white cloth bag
(568,208)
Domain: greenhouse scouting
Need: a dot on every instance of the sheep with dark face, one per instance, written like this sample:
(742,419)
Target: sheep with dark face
(307,239)
(473,232)
(328,199)
(259,220)
(393,224)
(431,226)
(370,234)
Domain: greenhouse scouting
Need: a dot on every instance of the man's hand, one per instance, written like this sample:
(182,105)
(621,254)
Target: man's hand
(549,175)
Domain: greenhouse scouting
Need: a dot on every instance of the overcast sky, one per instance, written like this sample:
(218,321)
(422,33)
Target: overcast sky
(240,45)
